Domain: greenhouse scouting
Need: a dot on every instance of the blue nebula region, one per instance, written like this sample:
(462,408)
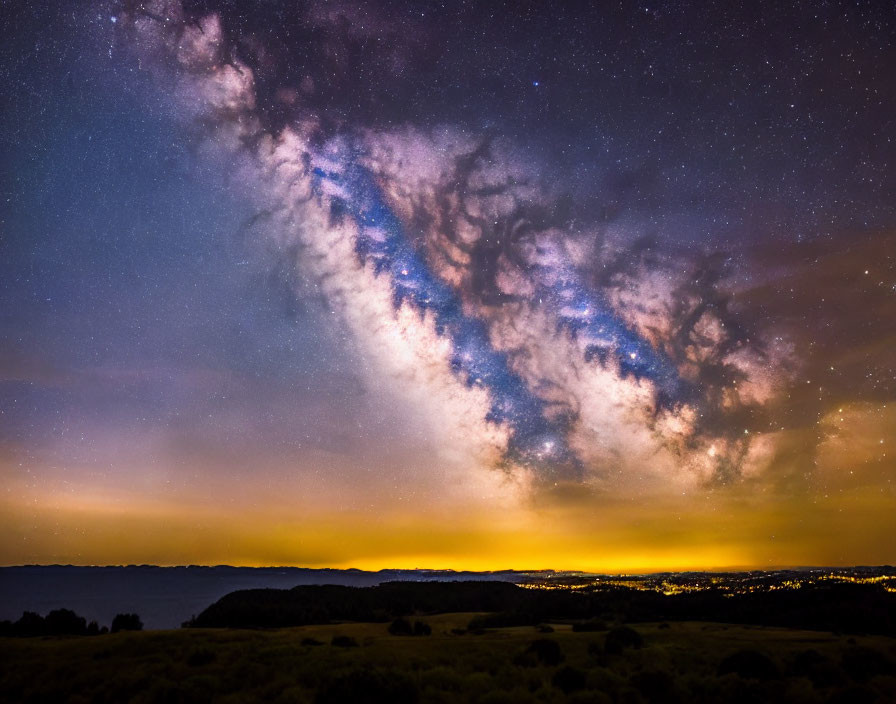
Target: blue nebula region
(586,313)
(535,441)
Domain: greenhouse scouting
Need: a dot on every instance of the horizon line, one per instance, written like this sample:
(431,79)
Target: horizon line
(637,572)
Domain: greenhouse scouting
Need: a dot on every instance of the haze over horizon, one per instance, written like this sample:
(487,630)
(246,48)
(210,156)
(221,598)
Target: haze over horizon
(465,286)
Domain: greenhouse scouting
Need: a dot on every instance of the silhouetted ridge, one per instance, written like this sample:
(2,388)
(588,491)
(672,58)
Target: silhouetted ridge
(848,608)
(306,604)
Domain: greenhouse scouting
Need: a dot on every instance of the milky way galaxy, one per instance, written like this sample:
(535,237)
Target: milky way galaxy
(378,284)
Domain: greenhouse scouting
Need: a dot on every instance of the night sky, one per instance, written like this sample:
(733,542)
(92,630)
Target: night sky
(604,286)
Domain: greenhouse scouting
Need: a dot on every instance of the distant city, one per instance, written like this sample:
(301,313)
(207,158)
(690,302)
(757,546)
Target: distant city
(726,582)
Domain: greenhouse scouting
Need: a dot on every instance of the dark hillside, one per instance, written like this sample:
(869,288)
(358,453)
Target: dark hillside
(843,607)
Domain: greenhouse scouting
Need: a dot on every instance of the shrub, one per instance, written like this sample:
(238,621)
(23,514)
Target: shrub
(655,687)
(622,637)
(749,664)
(401,627)
(546,650)
(311,641)
(201,657)
(815,666)
(344,642)
(525,659)
(568,679)
(369,687)
(422,628)
(863,663)
(593,624)
(853,695)
(590,697)
(441,679)
(805,660)
(514,696)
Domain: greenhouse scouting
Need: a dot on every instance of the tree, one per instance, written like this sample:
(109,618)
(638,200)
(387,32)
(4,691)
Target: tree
(126,622)
(31,624)
(65,622)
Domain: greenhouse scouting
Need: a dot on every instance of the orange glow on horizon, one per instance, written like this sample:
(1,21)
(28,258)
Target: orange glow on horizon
(620,538)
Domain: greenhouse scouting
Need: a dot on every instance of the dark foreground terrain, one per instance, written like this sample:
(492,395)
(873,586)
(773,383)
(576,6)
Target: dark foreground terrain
(406,642)
(362,662)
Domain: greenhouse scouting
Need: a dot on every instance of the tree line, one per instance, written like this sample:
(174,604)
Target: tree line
(65,622)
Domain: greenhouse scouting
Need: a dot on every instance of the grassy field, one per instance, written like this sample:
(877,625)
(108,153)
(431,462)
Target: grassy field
(678,662)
